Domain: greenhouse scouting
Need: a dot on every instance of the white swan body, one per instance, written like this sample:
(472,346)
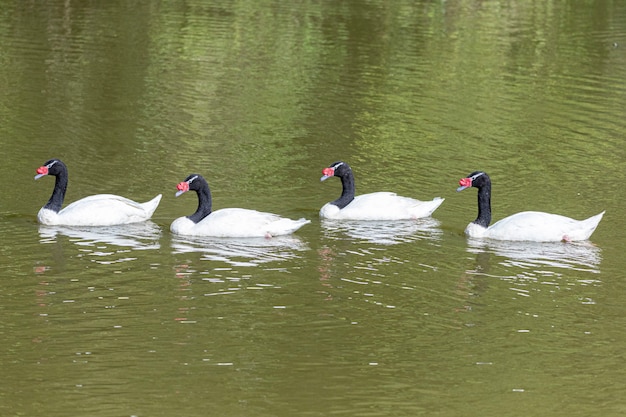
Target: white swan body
(536,226)
(95,210)
(524,226)
(230,222)
(237,222)
(382,205)
(374,206)
(100,210)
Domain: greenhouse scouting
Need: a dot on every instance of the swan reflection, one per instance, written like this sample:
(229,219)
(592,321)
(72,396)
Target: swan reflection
(241,251)
(578,256)
(383,232)
(138,236)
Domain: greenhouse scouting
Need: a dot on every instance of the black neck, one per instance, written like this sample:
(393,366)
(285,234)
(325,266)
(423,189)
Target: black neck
(484,205)
(347,195)
(58,194)
(204,203)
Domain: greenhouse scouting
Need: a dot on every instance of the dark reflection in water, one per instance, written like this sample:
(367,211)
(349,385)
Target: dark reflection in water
(383,233)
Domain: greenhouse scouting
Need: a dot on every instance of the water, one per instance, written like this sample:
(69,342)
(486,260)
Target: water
(341,318)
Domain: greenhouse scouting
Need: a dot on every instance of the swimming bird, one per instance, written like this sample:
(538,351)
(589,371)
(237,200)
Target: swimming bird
(95,210)
(228,222)
(381,205)
(527,225)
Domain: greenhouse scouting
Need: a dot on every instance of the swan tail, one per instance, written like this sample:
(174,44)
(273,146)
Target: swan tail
(151,206)
(592,222)
(426,208)
(286,226)
(586,229)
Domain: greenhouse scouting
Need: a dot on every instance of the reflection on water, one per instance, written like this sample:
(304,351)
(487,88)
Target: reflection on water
(554,264)
(579,256)
(137,236)
(364,261)
(217,271)
(241,252)
(381,232)
(102,245)
(528,269)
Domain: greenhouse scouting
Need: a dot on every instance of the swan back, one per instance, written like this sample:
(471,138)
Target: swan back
(381,206)
(538,227)
(100,210)
(237,222)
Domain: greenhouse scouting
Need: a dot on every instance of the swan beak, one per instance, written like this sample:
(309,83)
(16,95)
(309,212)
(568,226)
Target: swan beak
(41,171)
(464,183)
(182,187)
(327,173)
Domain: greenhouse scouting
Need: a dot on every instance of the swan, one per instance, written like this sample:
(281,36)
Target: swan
(374,206)
(95,210)
(229,222)
(524,226)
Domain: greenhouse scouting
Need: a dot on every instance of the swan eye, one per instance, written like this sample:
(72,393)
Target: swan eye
(337,165)
(51,164)
(473,177)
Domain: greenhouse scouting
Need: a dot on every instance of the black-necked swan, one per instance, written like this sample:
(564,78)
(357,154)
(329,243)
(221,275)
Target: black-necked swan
(95,210)
(229,222)
(381,205)
(524,226)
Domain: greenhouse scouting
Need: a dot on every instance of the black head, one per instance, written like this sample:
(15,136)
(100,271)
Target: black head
(336,169)
(193,182)
(51,167)
(476,179)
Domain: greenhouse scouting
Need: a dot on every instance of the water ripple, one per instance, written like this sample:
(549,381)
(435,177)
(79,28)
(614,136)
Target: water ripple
(544,259)
(241,252)
(136,236)
(384,233)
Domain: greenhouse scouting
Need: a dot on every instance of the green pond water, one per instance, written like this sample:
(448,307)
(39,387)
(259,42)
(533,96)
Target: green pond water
(341,318)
